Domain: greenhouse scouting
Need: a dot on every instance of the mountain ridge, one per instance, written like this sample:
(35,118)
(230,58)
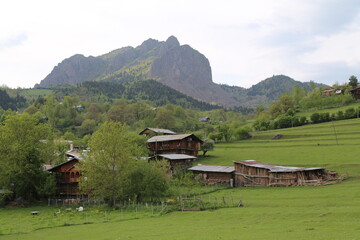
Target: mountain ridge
(177,66)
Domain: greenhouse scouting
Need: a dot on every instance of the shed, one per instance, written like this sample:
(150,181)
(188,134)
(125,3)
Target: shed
(254,173)
(181,161)
(214,174)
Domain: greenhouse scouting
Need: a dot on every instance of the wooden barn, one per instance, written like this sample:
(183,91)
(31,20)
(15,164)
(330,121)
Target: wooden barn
(156,131)
(67,175)
(213,174)
(180,161)
(254,173)
(356,93)
(187,144)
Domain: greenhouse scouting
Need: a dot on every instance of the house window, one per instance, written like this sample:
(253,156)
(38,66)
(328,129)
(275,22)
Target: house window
(77,174)
(72,175)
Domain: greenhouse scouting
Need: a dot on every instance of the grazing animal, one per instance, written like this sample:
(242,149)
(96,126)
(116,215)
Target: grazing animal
(80,209)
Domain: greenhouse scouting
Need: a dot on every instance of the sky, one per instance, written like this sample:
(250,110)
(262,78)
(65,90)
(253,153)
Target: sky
(246,41)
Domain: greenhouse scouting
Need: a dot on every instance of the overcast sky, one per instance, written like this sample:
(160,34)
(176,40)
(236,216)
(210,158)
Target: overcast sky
(245,41)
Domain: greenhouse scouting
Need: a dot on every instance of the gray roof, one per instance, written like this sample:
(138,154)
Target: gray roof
(212,168)
(165,138)
(176,156)
(275,168)
(159,130)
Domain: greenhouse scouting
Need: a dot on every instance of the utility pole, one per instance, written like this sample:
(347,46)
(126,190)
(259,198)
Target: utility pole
(337,143)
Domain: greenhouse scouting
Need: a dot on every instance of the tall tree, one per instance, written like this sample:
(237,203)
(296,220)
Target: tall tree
(353,81)
(25,146)
(108,165)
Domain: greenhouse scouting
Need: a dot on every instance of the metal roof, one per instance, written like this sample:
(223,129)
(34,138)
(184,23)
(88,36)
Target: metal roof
(159,130)
(74,154)
(212,168)
(165,138)
(176,156)
(274,168)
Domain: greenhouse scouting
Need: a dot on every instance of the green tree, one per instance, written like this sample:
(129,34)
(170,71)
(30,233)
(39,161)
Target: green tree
(208,145)
(108,165)
(298,94)
(225,130)
(242,133)
(148,181)
(28,146)
(353,81)
(284,103)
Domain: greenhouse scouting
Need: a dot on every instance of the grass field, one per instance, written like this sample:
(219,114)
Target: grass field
(307,212)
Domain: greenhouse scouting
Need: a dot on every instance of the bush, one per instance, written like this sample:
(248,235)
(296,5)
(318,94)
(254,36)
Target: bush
(350,113)
(340,115)
(315,117)
(242,133)
(261,124)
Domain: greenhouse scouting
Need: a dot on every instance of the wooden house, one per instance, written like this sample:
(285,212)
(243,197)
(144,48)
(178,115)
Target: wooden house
(156,131)
(213,174)
(204,119)
(67,175)
(328,92)
(356,93)
(187,144)
(254,173)
(179,161)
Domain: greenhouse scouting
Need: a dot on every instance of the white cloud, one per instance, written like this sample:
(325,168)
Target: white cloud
(245,41)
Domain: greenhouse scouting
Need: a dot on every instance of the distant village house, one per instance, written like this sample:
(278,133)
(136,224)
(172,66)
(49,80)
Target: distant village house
(356,93)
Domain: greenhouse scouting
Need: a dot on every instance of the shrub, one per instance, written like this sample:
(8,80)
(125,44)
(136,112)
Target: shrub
(340,115)
(261,124)
(315,117)
(350,113)
(242,133)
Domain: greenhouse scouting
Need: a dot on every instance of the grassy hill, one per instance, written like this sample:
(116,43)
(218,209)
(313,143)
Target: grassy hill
(306,212)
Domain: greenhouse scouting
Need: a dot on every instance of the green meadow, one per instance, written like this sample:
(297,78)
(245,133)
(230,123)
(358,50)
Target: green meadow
(306,212)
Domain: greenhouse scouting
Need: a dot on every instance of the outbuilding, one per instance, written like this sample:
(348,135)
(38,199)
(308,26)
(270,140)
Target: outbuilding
(254,173)
(176,161)
(214,174)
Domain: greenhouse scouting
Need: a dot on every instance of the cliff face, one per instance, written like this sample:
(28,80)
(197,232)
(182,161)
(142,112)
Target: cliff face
(74,70)
(177,66)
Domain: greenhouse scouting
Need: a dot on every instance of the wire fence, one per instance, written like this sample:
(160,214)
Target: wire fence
(182,203)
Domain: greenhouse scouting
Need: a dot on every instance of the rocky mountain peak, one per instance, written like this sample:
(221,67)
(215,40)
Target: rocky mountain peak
(172,42)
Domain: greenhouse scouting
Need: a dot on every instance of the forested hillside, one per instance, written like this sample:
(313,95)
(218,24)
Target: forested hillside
(7,102)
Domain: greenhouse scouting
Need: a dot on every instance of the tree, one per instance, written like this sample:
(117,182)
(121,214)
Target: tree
(298,93)
(148,181)
(108,165)
(208,145)
(242,133)
(25,146)
(225,130)
(353,81)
